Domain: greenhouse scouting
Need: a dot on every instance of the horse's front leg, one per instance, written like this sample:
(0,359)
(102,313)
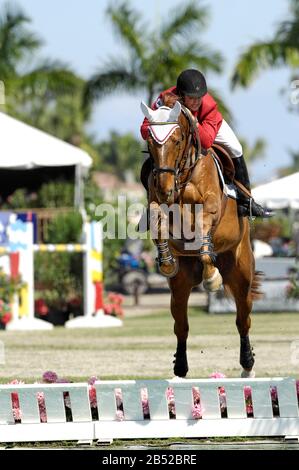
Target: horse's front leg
(212,279)
(159,225)
(180,287)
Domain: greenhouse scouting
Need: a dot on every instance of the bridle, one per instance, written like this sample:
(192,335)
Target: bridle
(180,163)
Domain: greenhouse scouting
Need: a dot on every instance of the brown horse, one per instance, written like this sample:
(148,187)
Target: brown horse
(182,176)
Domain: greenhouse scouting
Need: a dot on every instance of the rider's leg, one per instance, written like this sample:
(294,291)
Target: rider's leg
(247,206)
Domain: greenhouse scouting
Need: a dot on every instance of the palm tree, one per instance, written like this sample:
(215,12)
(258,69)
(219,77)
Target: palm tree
(16,42)
(46,94)
(282,49)
(155,57)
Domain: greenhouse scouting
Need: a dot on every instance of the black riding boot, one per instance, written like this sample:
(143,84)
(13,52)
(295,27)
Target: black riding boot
(246,205)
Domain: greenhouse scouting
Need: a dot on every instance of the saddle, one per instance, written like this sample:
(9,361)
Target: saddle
(225,161)
(228,169)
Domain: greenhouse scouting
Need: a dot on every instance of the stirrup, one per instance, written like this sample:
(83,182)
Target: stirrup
(252,210)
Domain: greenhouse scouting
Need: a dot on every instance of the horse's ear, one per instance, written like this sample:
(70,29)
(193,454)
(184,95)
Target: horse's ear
(146,111)
(175,112)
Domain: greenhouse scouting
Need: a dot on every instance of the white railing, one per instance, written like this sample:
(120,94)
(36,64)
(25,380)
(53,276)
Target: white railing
(69,416)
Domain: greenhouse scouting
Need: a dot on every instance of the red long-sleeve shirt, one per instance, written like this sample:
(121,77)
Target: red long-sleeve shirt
(208,116)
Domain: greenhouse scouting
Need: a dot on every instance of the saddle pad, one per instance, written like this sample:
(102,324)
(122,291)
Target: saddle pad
(231,191)
(228,189)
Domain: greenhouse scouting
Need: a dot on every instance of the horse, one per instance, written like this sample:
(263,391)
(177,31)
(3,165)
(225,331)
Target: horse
(180,175)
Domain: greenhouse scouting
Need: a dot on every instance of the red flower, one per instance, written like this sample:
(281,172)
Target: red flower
(6,318)
(41,307)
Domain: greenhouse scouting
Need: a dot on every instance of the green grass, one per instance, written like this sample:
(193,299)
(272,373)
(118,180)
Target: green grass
(144,347)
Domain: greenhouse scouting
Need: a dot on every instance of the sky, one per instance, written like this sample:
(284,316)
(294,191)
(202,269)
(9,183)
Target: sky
(79,33)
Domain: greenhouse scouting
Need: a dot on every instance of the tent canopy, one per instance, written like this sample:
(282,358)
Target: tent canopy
(279,194)
(23,147)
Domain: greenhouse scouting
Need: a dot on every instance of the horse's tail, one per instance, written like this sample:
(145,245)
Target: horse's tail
(255,289)
(256,293)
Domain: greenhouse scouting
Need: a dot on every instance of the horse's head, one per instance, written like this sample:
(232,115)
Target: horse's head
(167,141)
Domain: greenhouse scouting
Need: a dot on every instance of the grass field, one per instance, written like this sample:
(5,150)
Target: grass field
(144,347)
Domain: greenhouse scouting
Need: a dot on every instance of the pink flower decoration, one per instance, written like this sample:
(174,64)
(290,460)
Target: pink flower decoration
(247,392)
(16,382)
(144,401)
(92,380)
(50,377)
(120,415)
(273,391)
(222,399)
(42,406)
(118,396)
(196,395)
(197,411)
(217,375)
(249,408)
(17,415)
(92,396)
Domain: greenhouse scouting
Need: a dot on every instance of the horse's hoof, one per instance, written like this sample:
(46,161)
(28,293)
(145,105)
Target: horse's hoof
(181,367)
(213,283)
(169,269)
(247,374)
(180,373)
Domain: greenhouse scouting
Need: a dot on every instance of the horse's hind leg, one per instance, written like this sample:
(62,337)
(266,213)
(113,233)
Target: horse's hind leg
(180,287)
(239,281)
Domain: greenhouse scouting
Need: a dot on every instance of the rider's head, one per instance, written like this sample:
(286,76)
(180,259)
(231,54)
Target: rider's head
(191,87)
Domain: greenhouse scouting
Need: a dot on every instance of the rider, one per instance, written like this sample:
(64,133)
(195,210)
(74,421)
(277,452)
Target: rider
(191,90)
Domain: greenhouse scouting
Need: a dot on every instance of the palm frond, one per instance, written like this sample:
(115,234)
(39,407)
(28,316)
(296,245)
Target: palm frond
(55,79)
(261,56)
(201,56)
(115,78)
(185,19)
(15,40)
(125,21)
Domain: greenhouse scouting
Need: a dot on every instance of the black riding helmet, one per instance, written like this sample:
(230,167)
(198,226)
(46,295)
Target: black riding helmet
(191,82)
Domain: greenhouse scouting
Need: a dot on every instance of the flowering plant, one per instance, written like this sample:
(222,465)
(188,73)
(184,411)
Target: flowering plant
(114,307)
(5,313)
(8,287)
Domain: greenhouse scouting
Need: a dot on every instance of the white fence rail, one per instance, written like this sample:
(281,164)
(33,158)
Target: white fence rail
(69,416)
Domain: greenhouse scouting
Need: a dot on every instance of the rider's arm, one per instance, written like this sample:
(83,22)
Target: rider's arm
(209,121)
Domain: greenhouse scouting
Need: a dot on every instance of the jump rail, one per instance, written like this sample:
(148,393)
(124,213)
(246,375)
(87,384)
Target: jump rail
(70,415)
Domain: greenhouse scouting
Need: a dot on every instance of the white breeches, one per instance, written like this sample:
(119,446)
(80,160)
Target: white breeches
(227,138)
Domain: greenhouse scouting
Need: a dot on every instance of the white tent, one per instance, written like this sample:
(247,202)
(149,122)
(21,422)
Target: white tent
(23,147)
(279,194)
